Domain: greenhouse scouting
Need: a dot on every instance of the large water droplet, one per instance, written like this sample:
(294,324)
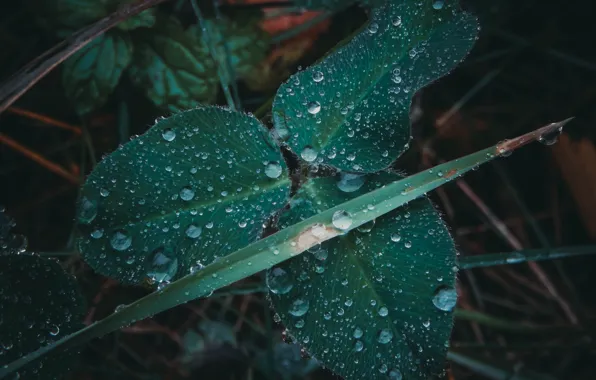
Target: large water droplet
(366,227)
(358,333)
(395,374)
(350,182)
(299,307)
(187,194)
(193,231)
(168,134)
(314,107)
(445,299)
(550,138)
(308,154)
(120,240)
(438,4)
(318,76)
(358,346)
(162,267)
(273,169)
(385,336)
(279,281)
(88,210)
(341,219)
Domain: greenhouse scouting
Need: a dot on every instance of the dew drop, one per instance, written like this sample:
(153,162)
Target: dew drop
(96,234)
(383,368)
(341,219)
(318,76)
(308,154)
(54,330)
(279,281)
(438,4)
(366,227)
(515,257)
(395,238)
(395,374)
(162,267)
(299,307)
(358,346)
(104,192)
(193,231)
(373,28)
(314,107)
(385,336)
(168,134)
(120,240)
(551,137)
(383,311)
(273,169)
(445,299)
(358,333)
(350,182)
(187,194)
(88,210)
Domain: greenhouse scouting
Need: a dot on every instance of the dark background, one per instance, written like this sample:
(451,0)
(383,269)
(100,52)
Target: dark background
(535,63)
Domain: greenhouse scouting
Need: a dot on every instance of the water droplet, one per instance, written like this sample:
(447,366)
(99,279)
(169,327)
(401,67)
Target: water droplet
(551,137)
(187,194)
(350,182)
(318,76)
(299,324)
(299,307)
(358,333)
(54,330)
(366,227)
(120,240)
(383,311)
(104,192)
(314,107)
(358,346)
(383,368)
(197,267)
(88,210)
(385,336)
(168,134)
(279,281)
(408,244)
(308,154)
(341,219)
(515,257)
(396,21)
(96,234)
(445,299)
(162,267)
(273,169)
(395,238)
(193,231)
(373,28)
(438,4)
(395,374)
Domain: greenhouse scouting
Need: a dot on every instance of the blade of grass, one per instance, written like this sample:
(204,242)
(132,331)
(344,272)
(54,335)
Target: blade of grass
(286,244)
(516,257)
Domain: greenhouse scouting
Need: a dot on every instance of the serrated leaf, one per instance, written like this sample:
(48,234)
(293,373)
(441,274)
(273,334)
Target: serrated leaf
(364,304)
(91,74)
(196,186)
(39,304)
(173,66)
(67,16)
(351,110)
(244,43)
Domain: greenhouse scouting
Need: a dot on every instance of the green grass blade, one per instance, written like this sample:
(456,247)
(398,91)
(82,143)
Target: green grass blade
(516,257)
(285,244)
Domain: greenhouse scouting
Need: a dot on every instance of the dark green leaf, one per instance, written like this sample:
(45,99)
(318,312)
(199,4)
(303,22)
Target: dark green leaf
(351,110)
(197,186)
(376,302)
(173,66)
(39,304)
(67,16)
(247,44)
(91,74)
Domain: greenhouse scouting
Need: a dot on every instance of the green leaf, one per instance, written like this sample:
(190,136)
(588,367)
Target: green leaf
(197,186)
(244,43)
(91,74)
(173,66)
(364,304)
(67,16)
(351,110)
(39,304)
